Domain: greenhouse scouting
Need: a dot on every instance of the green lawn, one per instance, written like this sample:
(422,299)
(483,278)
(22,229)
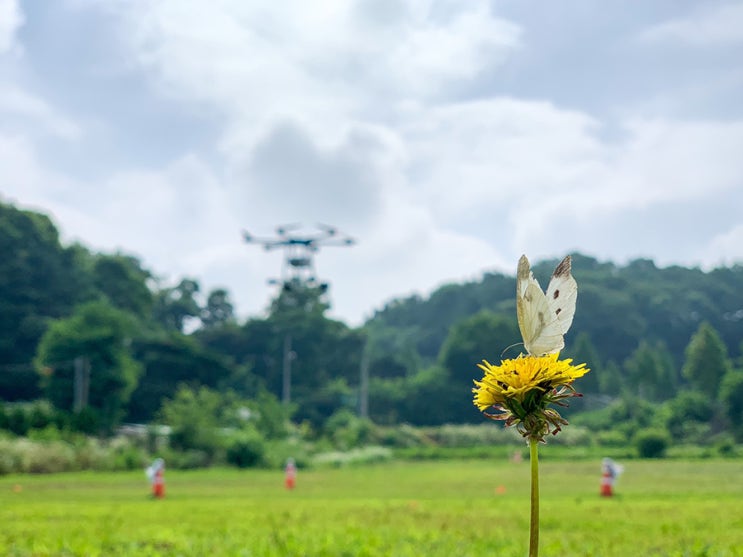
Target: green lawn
(445,508)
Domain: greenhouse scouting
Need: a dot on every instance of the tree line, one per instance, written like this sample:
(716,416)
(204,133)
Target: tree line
(100,338)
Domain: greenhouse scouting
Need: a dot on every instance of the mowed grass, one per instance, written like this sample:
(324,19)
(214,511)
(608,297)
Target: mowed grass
(444,508)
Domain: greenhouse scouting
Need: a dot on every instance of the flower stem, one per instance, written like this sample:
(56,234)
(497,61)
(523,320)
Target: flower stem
(534,525)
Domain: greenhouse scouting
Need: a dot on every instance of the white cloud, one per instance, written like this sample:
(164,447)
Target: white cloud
(24,179)
(725,248)
(354,113)
(719,25)
(499,152)
(33,112)
(290,175)
(11,19)
(323,63)
(165,214)
(628,204)
(405,252)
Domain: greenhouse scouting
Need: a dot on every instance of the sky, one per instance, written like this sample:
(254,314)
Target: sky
(446,137)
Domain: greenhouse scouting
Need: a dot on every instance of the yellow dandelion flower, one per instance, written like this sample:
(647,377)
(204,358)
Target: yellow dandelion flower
(521,388)
(516,377)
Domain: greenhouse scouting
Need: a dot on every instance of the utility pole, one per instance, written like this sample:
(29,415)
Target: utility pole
(364,382)
(286,379)
(298,275)
(81,384)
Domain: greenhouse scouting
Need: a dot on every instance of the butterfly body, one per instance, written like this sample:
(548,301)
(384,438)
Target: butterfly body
(545,317)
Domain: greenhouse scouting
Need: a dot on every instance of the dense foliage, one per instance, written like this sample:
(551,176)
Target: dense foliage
(664,345)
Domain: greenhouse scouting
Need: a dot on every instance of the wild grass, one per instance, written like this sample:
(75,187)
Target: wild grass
(450,508)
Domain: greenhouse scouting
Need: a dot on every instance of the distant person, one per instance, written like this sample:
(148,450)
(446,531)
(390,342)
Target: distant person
(156,474)
(610,471)
(290,474)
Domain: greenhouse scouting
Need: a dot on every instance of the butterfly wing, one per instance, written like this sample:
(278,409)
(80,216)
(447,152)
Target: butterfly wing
(532,308)
(562,294)
(545,318)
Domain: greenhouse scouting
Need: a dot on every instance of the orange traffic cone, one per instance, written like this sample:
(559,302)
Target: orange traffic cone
(158,485)
(610,471)
(607,482)
(290,474)
(156,474)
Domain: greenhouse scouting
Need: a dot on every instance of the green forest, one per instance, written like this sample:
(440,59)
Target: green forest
(90,341)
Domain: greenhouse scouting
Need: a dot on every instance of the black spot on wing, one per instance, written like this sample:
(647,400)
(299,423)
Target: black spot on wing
(556,294)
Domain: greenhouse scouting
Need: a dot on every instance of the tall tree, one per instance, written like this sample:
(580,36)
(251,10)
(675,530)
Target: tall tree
(484,335)
(650,370)
(122,280)
(219,310)
(99,336)
(39,280)
(170,360)
(707,360)
(582,350)
(175,306)
(324,355)
(731,397)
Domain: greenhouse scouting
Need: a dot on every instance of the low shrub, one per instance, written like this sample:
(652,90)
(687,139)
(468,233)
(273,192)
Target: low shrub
(246,448)
(611,438)
(279,451)
(403,436)
(44,457)
(464,435)
(652,442)
(346,430)
(573,436)
(90,455)
(364,455)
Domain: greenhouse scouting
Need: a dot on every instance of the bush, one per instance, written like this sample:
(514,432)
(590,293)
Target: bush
(688,416)
(484,434)
(48,433)
(402,436)
(85,421)
(573,436)
(365,455)
(90,455)
(42,455)
(725,444)
(44,458)
(8,463)
(246,449)
(630,415)
(346,430)
(17,421)
(193,416)
(278,451)
(652,442)
(611,438)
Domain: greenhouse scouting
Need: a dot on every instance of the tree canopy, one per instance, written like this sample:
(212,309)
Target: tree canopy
(648,332)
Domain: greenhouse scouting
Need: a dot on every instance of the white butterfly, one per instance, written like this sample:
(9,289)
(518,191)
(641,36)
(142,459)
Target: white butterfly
(545,318)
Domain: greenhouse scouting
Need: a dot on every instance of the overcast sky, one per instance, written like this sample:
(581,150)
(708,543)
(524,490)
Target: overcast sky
(447,137)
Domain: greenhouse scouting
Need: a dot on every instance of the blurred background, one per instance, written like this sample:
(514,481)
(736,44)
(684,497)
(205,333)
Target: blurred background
(395,158)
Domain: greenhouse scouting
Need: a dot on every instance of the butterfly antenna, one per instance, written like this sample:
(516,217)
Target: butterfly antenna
(507,348)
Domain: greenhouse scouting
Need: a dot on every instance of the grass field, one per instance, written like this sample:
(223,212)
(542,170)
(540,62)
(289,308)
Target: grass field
(447,509)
